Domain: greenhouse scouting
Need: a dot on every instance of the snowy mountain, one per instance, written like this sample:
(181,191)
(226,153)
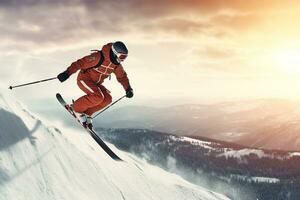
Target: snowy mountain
(267,123)
(38,161)
(242,172)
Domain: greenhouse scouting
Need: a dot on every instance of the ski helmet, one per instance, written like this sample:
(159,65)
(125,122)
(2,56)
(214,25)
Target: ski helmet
(120,51)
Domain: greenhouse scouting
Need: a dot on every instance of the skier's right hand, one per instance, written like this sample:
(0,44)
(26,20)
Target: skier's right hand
(129,92)
(63,76)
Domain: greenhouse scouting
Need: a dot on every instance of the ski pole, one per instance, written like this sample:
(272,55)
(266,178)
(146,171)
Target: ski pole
(31,83)
(109,106)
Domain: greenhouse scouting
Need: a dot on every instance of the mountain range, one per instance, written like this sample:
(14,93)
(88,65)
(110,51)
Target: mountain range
(263,123)
(239,172)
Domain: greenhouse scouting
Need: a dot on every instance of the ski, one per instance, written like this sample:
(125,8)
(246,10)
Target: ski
(90,131)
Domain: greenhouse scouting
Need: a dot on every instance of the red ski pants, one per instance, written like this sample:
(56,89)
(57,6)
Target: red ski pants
(96,98)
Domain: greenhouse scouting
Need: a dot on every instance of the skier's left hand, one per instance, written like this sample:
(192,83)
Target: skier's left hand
(129,92)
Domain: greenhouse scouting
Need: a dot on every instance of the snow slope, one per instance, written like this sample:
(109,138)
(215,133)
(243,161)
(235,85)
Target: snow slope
(42,162)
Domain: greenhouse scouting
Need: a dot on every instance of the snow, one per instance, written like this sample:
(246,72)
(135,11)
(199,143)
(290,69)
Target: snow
(192,141)
(42,162)
(294,154)
(233,134)
(230,153)
(243,152)
(255,178)
(265,179)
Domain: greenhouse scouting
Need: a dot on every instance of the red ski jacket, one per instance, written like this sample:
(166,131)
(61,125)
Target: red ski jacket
(92,71)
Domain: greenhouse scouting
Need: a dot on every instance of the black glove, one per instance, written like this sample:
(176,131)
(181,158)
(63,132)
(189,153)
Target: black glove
(63,76)
(129,92)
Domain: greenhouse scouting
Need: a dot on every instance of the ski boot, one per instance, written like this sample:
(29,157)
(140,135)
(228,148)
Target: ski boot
(86,121)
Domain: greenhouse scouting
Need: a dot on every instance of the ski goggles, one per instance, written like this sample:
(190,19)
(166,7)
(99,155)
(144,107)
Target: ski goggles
(120,56)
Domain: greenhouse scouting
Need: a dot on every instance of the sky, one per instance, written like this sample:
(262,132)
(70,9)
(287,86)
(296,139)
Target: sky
(179,51)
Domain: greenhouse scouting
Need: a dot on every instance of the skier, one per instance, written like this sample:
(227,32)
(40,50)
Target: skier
(94,69)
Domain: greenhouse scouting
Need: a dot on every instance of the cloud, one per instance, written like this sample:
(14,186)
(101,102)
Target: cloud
(177,27)
(35,22)
(216,53)
(219,58)
(237,22)
(45,25)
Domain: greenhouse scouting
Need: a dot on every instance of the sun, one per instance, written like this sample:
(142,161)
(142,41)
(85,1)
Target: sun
(288,60)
